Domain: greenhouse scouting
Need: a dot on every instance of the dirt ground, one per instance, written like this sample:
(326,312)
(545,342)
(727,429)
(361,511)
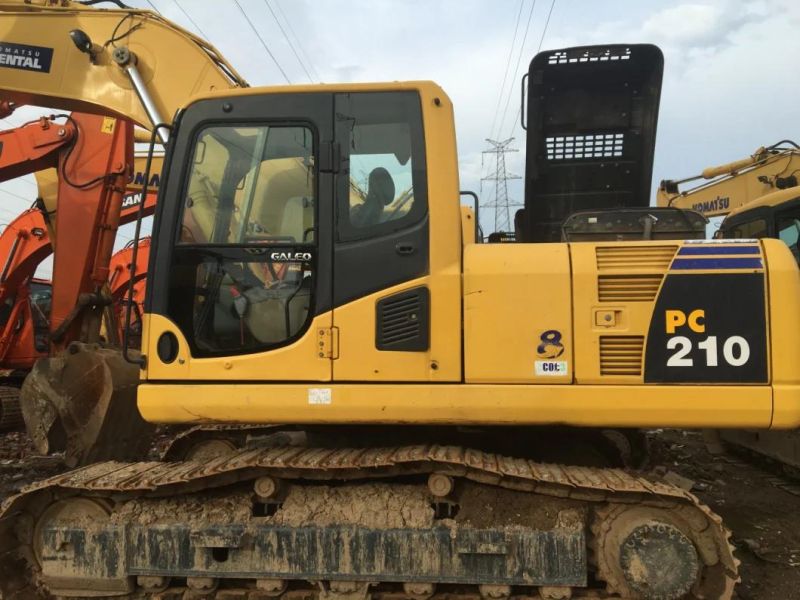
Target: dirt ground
(761,509)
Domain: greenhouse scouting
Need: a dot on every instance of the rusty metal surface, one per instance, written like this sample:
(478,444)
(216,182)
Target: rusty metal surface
(83,402)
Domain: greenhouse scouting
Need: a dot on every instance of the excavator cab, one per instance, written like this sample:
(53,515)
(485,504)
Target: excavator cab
(268,198)
(775,215)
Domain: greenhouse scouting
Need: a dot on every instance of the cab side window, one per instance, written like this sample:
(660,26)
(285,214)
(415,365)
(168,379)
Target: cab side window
(386,189)
(788,228)
(752,229)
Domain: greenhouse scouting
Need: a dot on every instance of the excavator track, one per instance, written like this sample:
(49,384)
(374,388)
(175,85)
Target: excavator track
(10,409)
(412,522)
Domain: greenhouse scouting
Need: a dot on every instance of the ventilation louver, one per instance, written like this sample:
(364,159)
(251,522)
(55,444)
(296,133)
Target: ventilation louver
(403,321)
(616,282)
(627,258)
(628,288)
(621,354)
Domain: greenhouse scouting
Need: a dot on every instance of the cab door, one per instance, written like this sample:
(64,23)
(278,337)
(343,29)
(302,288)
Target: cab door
(241,274)
(388,280)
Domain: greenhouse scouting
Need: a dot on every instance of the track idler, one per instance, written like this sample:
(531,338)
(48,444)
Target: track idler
(83,402)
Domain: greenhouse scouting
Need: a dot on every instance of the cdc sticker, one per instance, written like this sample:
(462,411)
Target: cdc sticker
(319,395)
(553,368)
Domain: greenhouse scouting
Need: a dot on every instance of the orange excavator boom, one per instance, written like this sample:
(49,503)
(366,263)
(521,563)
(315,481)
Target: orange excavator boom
(92,154)
(94,161)
(25,242)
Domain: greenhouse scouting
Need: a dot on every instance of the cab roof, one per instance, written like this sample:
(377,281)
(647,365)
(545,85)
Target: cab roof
(425,88)
(768,200)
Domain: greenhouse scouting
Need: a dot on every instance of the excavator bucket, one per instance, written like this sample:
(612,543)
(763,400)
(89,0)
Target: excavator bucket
(83,402)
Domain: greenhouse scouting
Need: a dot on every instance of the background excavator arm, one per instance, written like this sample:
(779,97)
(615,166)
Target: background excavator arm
(94,156)
(85,59)
(734,185)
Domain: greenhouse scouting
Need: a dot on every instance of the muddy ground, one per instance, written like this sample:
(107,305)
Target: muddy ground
(761,509)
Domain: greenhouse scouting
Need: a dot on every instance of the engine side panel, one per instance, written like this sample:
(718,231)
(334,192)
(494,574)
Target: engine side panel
(783,291)
(517,313)
(692,312)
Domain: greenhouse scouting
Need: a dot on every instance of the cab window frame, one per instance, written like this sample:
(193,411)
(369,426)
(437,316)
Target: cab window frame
(788,211)
(344,117)
(759,214)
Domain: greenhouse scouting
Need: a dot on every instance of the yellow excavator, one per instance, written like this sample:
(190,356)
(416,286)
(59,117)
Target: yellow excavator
(761,179)
(759,197)
(413,377)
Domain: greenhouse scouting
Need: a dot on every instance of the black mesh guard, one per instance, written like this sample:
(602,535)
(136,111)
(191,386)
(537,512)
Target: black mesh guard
(592,114)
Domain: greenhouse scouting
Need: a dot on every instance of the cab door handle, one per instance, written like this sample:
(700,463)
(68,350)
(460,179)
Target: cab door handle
(404,248)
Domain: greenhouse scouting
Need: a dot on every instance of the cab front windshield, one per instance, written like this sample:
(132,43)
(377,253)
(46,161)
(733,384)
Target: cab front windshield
(245,253)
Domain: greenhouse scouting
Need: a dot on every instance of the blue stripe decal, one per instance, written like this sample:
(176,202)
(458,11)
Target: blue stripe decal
(717,249)
(717,263)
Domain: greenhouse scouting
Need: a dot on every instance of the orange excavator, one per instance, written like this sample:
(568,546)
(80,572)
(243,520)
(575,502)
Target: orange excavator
(25,300)
(119,280)
(130,64)
(94,159)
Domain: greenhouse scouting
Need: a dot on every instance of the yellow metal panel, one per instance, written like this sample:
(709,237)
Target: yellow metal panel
(460,404)
(784,318)
(467,225)
(360,360)
(786,401)
(428,90)
(770,200)
(514,294)
(299,361)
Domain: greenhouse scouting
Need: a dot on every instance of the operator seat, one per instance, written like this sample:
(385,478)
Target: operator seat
(380,193)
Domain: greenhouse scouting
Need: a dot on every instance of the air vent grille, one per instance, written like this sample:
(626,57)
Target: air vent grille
(403,321)
(617,258)
(562,57)
(628,288)
(621,355)
(600,145)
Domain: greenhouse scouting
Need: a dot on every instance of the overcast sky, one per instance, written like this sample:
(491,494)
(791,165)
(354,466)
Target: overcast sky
(730,82)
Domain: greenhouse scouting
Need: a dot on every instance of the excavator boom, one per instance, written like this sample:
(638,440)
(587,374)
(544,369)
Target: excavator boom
(72,400)
(117,47)
(734,185)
